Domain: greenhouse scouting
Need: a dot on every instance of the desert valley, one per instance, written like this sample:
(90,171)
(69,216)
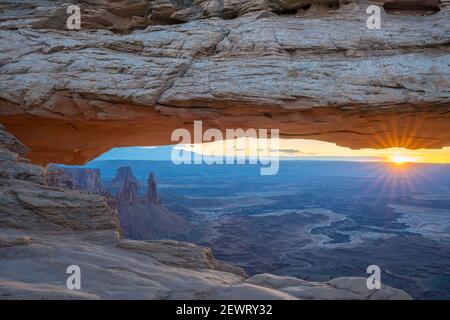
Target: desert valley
(315,220)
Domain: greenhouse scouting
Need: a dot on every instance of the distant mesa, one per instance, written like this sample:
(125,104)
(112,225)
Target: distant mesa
(124,175)
(83,179)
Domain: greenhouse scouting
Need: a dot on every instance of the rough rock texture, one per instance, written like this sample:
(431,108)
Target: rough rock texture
(27,202)
(43,230)
(74,178)
(137,70)
(412,7)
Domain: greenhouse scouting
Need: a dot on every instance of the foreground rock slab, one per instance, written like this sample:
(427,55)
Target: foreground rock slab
(344,288)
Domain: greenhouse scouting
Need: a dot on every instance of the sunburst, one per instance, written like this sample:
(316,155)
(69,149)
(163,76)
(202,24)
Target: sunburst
(399,159)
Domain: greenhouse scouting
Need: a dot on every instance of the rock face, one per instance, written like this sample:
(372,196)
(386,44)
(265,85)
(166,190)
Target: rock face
(139,69)
(145,218)
(27,202)
(412,6)
(152,193)
(123,174)
(43,230)
(74,178)
(124,177)
(129,15)
(128,192)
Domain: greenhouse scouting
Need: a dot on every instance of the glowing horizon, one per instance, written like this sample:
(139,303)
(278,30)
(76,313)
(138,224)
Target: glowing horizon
(310,149)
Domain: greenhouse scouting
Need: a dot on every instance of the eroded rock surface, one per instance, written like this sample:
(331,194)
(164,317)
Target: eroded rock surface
(74,178)
(44,229)
(138,70)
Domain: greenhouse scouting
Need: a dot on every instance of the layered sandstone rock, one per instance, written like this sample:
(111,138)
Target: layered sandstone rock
(137,70)
(74,178)
(28,202)
(128,15)
(423,7)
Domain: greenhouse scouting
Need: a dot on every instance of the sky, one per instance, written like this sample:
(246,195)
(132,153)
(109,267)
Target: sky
(286,149)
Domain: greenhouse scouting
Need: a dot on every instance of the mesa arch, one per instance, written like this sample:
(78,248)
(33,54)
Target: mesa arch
(131,78)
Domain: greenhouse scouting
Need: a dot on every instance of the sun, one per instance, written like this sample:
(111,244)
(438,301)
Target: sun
(399,159)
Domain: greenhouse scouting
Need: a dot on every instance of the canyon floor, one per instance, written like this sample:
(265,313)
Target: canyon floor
(315,220)
(44,230)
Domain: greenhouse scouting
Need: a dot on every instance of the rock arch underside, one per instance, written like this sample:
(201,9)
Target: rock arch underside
(139,69)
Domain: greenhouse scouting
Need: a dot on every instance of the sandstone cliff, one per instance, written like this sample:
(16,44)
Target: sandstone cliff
(44,229)
(74,178)
(139,69)
(123,174)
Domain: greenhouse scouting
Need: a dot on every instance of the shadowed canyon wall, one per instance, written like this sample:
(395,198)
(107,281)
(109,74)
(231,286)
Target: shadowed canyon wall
(137,70)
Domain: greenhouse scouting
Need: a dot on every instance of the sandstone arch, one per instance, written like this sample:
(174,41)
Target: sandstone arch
(70,96)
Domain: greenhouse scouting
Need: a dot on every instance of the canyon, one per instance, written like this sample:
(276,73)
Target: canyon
(137,70)
(45,229)
(140,217)
(314,220)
